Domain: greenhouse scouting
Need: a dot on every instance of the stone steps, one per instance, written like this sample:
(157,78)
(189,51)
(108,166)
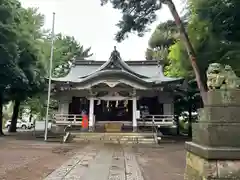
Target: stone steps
(119,138)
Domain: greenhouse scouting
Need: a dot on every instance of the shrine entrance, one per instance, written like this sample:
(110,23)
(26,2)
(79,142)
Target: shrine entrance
(113,111)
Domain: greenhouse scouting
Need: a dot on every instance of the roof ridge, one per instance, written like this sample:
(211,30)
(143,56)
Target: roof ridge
(115,62)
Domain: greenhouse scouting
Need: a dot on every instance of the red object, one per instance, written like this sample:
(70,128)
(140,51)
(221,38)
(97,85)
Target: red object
(84,121)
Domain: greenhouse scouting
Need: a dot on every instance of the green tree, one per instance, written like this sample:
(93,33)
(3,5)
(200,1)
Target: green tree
(178,66)
(137,15)
(25,51)
(29,60)
(165,35)
(213,40)
(66,50)
(214,32)
(10,74)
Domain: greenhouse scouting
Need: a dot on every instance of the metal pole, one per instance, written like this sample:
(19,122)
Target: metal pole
(49,80)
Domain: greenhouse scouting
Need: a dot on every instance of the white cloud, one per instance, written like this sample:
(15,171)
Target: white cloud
(94,25)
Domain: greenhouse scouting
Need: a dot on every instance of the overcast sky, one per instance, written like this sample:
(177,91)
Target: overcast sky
(94,26)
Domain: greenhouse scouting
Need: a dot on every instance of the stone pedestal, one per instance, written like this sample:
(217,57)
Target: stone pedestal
(135,129)
(91,128)
(214,153)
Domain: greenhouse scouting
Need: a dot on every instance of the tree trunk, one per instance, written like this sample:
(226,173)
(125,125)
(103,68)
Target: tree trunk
(13,126)
(31,115)
(20,113)
(189,48)
(190,116)
(178,125)
(1,114)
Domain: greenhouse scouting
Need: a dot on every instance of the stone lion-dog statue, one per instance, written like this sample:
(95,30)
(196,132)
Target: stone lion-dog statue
(221,77)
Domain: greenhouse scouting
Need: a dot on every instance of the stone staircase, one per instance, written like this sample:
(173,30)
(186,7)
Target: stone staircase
(119,138)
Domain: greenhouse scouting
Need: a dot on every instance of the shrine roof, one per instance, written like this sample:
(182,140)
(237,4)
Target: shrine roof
(144,71)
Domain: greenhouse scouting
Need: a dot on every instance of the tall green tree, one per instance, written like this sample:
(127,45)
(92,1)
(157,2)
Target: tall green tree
(66,50)
(10,74)
(164,35)
(214,32)
(161,39)
(137,15)
(29,60)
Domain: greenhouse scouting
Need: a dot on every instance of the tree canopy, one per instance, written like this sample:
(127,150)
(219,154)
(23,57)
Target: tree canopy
(162,38)
(67,49)
(137,15)
(25,52)
(10,74)
(29,60)
(214,32)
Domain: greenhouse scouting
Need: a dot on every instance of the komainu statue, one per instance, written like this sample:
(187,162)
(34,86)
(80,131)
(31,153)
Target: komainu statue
(221,77)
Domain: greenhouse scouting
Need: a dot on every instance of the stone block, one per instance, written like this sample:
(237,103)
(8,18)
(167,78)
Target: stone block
(91,128)
(113,127)
(213,153)
(217,134)
(223,98)
(216,114)
(135,129)
(229,169)
(198,168)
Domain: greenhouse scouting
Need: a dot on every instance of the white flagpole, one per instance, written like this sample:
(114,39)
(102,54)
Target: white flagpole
(50,78)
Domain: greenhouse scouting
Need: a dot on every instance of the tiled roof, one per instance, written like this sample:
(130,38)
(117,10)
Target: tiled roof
(148,71)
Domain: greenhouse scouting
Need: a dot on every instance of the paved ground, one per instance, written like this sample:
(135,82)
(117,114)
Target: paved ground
(32,160)
(115,162)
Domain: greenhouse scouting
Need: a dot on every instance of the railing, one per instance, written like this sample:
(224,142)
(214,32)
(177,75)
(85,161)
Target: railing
(147,120)
(68,119)
(155,131)
(157,120)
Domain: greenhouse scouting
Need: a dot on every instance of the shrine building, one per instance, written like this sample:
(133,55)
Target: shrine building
(132,93)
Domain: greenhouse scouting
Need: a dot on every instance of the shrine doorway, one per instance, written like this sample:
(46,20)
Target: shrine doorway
(113,110)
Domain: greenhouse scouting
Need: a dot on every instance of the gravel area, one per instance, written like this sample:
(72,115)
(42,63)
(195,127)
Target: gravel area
(31,160)
(166,162)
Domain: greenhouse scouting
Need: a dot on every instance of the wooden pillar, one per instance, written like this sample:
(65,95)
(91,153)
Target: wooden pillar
(134,114)
(91,114)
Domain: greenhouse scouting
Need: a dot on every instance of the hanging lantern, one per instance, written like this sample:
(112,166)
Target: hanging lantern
(99,102)
(125,105)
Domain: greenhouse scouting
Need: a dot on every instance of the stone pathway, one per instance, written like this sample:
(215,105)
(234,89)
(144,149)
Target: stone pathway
(100,162)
